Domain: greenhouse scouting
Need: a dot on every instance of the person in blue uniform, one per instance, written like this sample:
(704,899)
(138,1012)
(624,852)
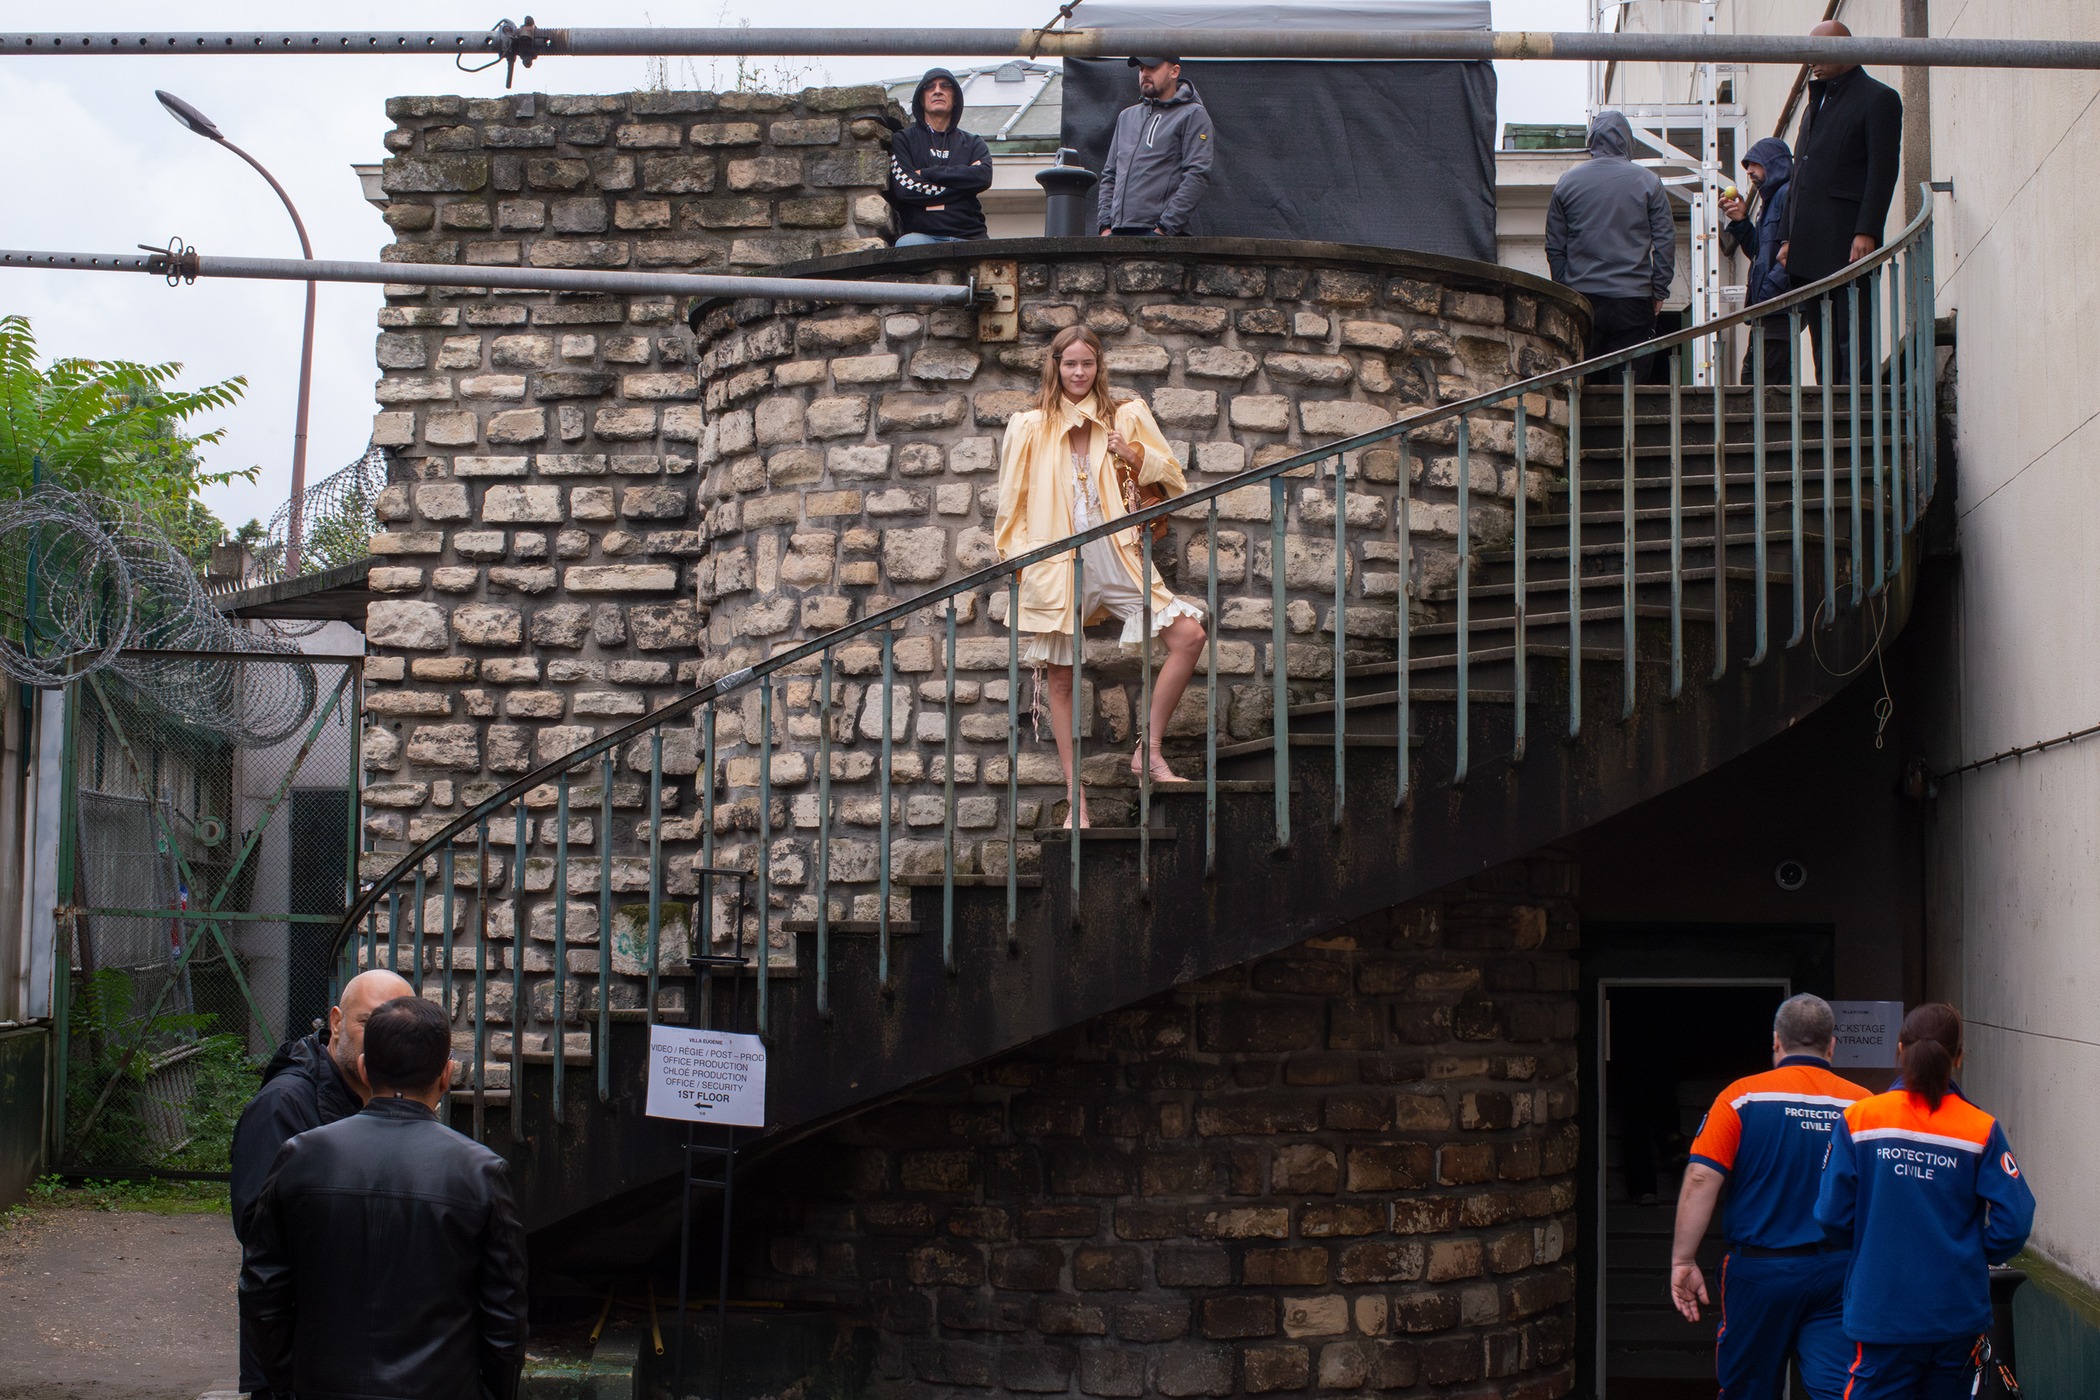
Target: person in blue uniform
(1782,1282)
(1926,1184)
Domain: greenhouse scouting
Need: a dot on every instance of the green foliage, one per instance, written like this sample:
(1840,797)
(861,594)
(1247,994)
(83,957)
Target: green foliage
(340,536)
(116,427)
(157,1195)
(111,1108)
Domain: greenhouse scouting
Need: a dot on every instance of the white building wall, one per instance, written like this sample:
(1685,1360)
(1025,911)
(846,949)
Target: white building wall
(2017,268)
(2017,846)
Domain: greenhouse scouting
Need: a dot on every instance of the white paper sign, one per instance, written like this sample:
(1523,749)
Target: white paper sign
(706,1076)
(1866,1033)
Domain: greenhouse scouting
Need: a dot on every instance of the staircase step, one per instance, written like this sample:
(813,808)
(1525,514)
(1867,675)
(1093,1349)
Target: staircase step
(1506,621)
(1558,586)
(1307,739)
(1061,836)
(1774,540)
(1386,699)
(859,926)
(1488,656)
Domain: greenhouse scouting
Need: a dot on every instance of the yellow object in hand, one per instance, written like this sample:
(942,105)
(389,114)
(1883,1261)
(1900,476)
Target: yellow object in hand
(1731,193)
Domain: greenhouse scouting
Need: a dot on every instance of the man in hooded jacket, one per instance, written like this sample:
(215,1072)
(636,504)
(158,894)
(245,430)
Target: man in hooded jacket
(1769,166)
(309,1082)
(1610,236)
(1159,159)
(937,168)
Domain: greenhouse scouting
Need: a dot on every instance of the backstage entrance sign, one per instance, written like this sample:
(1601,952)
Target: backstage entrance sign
(706,1076)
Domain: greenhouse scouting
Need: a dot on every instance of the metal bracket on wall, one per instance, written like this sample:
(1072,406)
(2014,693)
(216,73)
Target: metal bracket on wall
(998,301)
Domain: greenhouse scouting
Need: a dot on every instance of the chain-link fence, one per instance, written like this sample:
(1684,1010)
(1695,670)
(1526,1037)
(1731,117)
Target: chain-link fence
(207,865)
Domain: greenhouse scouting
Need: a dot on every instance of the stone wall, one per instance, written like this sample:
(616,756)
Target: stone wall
(1346,1168)
(851,461)
(606,507)
(538,571)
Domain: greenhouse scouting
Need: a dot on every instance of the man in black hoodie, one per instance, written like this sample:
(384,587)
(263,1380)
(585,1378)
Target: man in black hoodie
(937,168)
(309,1082)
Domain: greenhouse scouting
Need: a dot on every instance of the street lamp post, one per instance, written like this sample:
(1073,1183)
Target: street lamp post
(204,126)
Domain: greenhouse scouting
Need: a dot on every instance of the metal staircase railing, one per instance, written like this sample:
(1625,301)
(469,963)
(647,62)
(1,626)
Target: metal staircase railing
(1886,298)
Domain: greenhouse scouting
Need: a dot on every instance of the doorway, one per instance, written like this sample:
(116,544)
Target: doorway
(1665,1048)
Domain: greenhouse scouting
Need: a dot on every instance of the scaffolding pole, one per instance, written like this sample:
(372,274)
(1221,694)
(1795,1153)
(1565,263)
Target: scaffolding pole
(524,43)
(186,265)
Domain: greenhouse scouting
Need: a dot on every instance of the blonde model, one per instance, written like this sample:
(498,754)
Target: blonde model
(1064,467)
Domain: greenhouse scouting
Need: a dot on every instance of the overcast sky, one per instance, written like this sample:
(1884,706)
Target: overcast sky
(96,165)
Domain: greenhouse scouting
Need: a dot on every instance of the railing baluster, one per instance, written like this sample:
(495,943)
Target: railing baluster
(393,929)
(1928,365)
(1757,489)
(1873,359)
(1720,511)
(705,940)
(1523,599)
(1899,387)
(1676,531)
(1403,598)
(445,976)
(765,851)
(1830,563)
(560,888)
(1210,699)
(824,838)
(1627,552)
(603,1053)
(519,1005)
(1800,548)
(1341,633)
(1144,721)
(1078,665)
(415,977)
(481,978)
(1279,690)
(948,805)
(1462,760)
(1574,455)
(1013,760)
(656,865)
(1852,368)
(882,914)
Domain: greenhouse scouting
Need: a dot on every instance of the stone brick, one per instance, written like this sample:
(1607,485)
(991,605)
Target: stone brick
(1098,1268)
(1193,1369)
(1239,1315)
(1381,1261)
(1298,1266)
(407,626)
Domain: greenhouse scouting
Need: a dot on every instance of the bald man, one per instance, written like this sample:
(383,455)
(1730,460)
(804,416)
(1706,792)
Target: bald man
(310,1081)
(1846,160)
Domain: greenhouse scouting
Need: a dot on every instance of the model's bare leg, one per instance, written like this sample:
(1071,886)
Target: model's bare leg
(1184,638)
(1059,683)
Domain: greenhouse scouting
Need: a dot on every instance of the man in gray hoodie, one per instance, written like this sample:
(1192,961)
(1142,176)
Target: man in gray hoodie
(1159,162)
(1609,235)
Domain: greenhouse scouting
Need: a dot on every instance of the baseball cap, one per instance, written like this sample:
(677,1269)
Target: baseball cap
(1149,62)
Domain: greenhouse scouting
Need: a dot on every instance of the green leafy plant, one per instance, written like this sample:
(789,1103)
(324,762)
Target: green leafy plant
(117,427)
(118,1047)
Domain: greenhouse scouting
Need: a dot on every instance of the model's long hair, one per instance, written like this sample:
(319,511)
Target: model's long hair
(1102,398)
(1931,1043)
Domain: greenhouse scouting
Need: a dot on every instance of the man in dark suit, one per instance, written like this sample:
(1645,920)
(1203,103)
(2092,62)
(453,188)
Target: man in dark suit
(384,1256)
(1845,167)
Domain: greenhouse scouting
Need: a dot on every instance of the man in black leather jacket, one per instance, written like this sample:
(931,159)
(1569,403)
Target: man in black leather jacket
(385,1256)
(310,1081)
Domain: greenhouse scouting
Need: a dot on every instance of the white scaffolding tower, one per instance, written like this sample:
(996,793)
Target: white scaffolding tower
(1695,180)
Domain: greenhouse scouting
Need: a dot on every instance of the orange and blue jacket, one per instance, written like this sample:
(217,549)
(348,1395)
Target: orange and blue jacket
(1932,1197)
(1768,1134)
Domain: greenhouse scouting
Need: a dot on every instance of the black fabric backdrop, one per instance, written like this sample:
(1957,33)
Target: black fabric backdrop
(1394,155)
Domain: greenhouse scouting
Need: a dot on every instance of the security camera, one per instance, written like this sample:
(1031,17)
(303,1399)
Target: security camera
(1790,875)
